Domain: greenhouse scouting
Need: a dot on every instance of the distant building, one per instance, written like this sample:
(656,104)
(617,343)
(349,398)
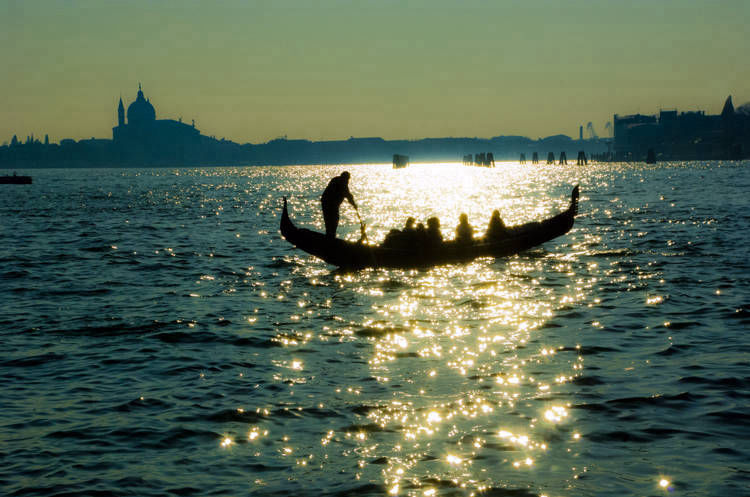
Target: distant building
(683,136)
(143,136)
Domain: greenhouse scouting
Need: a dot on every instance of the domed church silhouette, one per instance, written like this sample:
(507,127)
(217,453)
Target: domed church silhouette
(145,137)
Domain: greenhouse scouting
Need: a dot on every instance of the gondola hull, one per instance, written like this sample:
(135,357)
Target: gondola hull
(15,180)
(355,255)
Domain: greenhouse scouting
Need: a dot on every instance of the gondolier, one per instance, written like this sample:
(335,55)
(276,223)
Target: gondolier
(334,194)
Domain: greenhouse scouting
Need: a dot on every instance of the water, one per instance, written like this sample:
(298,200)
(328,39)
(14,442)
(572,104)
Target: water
(160,338)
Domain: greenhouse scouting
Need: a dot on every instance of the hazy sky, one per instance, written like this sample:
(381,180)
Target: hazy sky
(251,71)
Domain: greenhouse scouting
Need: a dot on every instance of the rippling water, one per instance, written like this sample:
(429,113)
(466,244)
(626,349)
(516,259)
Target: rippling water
(160,338)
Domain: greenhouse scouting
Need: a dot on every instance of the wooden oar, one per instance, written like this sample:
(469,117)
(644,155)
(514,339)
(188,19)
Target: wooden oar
(361,225)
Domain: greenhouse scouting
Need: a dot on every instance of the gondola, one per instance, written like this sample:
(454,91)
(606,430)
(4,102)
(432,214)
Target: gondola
(357,255)
(15,180)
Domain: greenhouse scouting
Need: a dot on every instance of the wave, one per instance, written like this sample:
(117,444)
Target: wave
(367,428)
(234,416)
(647,435)
(674,350)
(142,403)
(119,329)
(731,417)
(11,275)
(37,360)
(730,382)
(675,401)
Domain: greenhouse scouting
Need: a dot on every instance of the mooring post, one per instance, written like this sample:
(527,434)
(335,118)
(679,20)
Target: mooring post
(581,161)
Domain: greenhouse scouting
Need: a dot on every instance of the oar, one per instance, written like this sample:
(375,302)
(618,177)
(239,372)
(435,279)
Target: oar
(361,225)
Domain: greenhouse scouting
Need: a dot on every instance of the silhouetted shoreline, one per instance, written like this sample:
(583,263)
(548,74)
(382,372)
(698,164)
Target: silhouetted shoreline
(141,140)
(103,153)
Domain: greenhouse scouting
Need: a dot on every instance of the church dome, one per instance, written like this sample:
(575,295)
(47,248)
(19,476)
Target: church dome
(141,111)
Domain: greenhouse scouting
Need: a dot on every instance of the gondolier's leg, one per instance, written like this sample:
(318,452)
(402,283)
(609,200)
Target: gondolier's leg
(331,219)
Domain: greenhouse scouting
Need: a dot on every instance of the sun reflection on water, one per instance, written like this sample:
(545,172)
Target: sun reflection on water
(465,383)
(461,336)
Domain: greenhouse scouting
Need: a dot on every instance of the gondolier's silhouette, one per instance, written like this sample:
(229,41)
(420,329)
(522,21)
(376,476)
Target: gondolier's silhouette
(334,194)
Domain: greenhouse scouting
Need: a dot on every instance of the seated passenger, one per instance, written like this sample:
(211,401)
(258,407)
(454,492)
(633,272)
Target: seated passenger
(496,230)
(434,237)
(409,226)
(401,238)
(392,238)
(420,234)
(464,231)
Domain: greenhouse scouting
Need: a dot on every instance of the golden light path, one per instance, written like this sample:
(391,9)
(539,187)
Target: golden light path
(483,395)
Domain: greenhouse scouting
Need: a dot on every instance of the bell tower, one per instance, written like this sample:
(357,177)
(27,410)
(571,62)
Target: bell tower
(120,114)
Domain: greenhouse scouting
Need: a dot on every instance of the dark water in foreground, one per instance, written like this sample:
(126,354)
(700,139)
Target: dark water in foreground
(159,338)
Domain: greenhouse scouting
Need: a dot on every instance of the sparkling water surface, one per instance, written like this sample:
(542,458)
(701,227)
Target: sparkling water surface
(159,337)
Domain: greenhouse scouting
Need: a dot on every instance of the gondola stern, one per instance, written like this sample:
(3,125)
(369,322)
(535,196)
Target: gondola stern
(286,223)
(574,199)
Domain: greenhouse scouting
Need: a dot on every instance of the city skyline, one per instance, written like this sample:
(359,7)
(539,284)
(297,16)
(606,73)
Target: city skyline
(251,73)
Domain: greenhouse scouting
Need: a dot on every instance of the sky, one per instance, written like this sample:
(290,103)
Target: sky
(251,71)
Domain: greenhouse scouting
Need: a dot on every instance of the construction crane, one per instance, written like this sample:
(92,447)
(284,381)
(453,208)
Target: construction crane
(590,131)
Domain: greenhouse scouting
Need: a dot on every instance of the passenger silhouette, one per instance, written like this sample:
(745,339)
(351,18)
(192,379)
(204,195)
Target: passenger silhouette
(434,237)
(409,226)
(334,194)
(496,230)
(403,238)
(420,235)
(464,231)
(392,238)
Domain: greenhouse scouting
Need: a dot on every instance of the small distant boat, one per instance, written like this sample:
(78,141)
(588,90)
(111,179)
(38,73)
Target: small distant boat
(353,255)
(400,161)
(651,156)
(15,180)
